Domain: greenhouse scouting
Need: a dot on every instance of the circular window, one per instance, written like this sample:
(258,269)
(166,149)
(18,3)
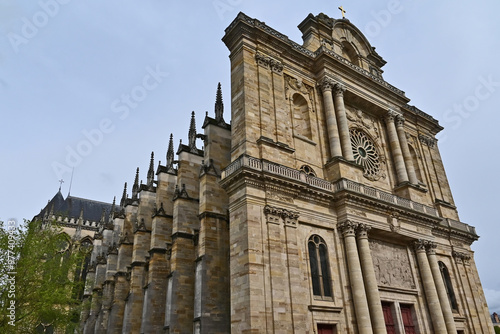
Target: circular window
(308,170)
(365,153)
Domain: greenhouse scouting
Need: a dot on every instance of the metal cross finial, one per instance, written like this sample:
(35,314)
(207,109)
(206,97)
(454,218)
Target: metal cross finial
(61,181)
(343,11)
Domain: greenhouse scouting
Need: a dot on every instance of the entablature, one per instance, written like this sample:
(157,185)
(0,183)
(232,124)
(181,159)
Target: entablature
(249,170)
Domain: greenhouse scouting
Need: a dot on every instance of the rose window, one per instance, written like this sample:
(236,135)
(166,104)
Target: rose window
(365,153)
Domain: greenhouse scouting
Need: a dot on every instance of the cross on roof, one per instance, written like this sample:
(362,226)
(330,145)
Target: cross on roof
(343,11)
(61,181)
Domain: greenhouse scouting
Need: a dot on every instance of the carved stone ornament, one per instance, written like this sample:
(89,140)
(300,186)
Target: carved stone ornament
(269,63)
(327,43)
(365,134)
(279,196)
(394,223)
(182,193)
(391,116)
(421,245)
(296,85)
(124,239)
(363,230)
(360,119)
(208,168)
(461,257)
(348,228)
(113,249)
(356,212)
(140,225)
(426,140)
(339,89)
(400,120)
(326,84)
(392,265)
(366,154)
(274,215)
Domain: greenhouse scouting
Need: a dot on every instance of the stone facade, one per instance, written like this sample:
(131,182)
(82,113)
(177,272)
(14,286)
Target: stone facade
(323,207)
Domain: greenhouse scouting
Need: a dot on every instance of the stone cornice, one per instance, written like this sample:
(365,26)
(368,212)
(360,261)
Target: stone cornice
(183,235)
(251,27)
(208,214)
(454,229)
(247,170)
(254,26)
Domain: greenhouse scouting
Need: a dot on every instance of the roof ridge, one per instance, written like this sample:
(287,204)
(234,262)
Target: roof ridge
(89,200)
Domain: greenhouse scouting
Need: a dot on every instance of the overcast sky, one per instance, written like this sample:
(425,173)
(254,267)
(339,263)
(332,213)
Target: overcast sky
(100,84)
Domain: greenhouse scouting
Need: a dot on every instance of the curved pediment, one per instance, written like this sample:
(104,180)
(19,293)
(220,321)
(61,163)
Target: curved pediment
(342,37)
(354,46)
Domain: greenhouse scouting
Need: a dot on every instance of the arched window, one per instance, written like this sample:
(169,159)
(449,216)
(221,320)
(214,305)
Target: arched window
(414,159)
(350,53)
(320,271)
(449,287)
(301,122)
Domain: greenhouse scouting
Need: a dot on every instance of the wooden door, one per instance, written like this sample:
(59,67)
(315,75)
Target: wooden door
(407,319)
(389,320)
(326,329)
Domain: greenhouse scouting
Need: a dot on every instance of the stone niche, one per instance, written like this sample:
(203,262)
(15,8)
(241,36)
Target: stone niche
(392,265)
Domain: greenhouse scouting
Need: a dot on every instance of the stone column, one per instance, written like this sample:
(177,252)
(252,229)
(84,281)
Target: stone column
(331,120)
(430,287)
(348,230)
(371,284)
(397,155)
(441,290)
(345,138)
(410,169)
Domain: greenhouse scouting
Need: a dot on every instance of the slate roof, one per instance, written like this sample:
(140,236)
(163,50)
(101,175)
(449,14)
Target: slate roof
(71,207)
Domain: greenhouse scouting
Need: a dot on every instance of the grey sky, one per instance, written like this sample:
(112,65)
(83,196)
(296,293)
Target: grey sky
(135,70)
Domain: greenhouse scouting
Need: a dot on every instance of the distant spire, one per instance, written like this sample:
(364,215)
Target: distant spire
(192,134)
(135,187)
(170,153)
(103,216)
(124,196)
(151,171)
(81,213)
(112,209)
(219,105)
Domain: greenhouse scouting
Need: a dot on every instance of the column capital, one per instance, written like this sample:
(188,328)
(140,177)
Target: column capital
(400,120)
(461,257)
(326,84)
(339,89)
(431,248)
(348,228)
(420,245)
(391,115)
(363,230)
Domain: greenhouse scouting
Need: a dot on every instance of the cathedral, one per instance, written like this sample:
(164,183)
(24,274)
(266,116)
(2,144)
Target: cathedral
(321,207)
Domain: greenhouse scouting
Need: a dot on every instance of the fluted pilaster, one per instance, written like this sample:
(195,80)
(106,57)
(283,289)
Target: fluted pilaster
(345,139)
(331,120)
(397,154)
(348,230)
(441,290)
(371,284)
(410,168)
(430,287)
